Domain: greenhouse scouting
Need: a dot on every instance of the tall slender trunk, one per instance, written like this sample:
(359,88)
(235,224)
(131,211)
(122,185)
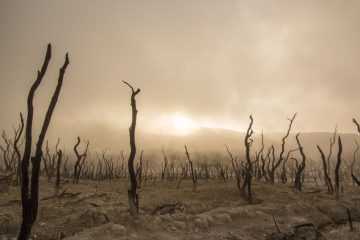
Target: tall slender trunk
(133,197)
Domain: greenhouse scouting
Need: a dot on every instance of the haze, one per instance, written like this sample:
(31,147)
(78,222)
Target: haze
(199,64)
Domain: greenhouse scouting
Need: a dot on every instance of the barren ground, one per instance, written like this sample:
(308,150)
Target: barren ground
(98,210)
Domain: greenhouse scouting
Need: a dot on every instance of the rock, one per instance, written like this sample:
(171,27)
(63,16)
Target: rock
(201,222)
(223,218)
(93,218)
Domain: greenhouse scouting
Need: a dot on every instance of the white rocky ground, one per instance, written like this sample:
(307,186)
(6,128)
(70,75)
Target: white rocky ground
(98,210)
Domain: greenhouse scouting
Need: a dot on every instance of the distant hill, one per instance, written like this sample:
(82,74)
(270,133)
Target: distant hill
(204,140)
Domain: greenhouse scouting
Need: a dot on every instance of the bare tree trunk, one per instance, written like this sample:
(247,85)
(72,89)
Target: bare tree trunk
(16,149)
(246,188)
(337,168)
(281,158)
(353,163)
(133,197)
(193,173)
(326,175)
(57,183)
(332,142)
(163,170)
(298,182)
(80,158)
(30,196)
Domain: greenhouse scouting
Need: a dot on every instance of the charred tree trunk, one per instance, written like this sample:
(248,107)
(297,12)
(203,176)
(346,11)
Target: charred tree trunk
(80,159)
(275,165)
(133,197)
(337,168)
(6,152)
(57,183)
(283,175)
(326,175)
(353,163)
(246,187)
(298,182)
(164,169)
(18,135)
(30,194)
(193,172)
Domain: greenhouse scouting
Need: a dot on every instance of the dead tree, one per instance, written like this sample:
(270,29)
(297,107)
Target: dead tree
(8,155)
(332,141)
(192,171)
(259,156)
(283,173)
(11,152)
(357,181)
(50,160)
(18,134)
(244,171)
(326,174)
(301,167)
(65,171)
(337,168)
(80,159)
(164,167)
(249,165)
(122,169)
(133,197)
(58,166)
(30,194)
(354,178)
(274,164)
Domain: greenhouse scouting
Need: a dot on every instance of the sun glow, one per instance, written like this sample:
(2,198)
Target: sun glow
(176,123)
(182,124)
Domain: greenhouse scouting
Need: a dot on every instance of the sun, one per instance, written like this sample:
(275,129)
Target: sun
(182,124)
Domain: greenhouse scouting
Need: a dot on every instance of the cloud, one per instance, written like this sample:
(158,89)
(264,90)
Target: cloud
(217,61)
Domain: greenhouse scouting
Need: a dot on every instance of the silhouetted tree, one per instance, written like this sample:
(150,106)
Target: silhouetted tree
(8,153)
(133,197)
(249,165)
(18,134)
(301,166)
(337,168)
(80,159)
(274,164)
(30,190)
(50,160)
(353,164)
(58,167)
(244,171)
(332,141)
(192,171)
(326,174)
(164,167)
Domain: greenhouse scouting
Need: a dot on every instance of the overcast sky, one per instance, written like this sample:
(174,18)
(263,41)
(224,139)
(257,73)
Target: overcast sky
(198,63)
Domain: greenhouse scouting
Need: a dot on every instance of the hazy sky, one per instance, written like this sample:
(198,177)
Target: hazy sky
(198,63)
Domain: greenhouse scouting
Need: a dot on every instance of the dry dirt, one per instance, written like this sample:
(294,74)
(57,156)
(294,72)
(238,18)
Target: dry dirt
(98,210)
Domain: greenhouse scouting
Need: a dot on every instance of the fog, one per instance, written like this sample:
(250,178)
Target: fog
(211,63)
